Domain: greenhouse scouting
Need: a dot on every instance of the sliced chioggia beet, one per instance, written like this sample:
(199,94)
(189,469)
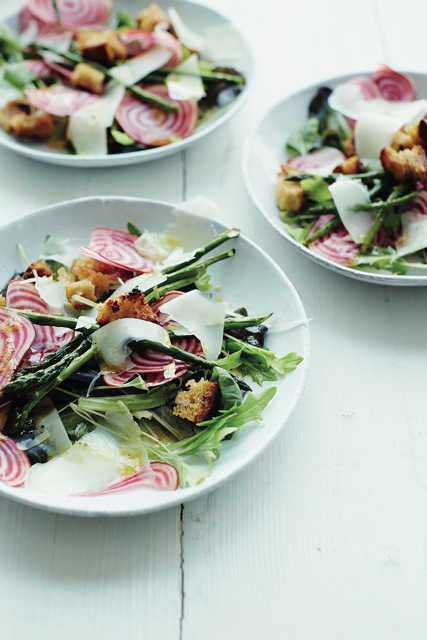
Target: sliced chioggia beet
(14,463)
(373,132)
(321,162)
(346,194)
(156,475)
(116,247)
(112,339)
(200,316)
(153,127)
(73,13)
(87,127)
(336,246)
(60,100)
(394,85)
(186,87)
(414,227)
(16,337)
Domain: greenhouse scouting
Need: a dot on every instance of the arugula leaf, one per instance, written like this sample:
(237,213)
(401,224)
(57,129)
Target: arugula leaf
(303,139)
(261,364)
(387,259)
(10,47)
(231,396)
(132,228)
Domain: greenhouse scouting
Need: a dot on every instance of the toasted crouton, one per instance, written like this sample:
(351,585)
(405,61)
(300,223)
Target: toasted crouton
(128,305)
(290,196)
(87,77)
(40,267)
(197,401)
(348,147)
(407,164)
(350,166)
(149,18)
(22,120)
(2,300)
(83,288)
(406,137)
(422,132)
(104,47)
(91,263)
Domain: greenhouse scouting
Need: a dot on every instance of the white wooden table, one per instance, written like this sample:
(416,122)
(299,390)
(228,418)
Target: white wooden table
(325,535)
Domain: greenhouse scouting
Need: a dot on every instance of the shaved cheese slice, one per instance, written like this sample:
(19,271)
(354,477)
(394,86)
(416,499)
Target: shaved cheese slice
(134,69)
(87,128)
(346,194)
(89,464)
(201,317)
(112,339)
(373,132)
(185,35)
(190,225)
(186,87)
(414,233)
(155,246)
(223,44)
(348,99)
(52,292)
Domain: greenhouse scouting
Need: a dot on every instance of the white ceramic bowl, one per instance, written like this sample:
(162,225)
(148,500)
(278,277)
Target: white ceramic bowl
(264,152)
(200,19)
(251,279)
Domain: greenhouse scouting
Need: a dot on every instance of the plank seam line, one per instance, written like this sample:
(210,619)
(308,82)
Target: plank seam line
(181,569)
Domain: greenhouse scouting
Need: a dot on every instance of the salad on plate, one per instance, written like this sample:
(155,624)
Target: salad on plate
(353,189)
(123,367)
(83,79)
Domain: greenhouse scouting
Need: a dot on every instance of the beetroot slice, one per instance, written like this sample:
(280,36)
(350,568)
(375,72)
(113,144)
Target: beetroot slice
(394,86)
(153,127)
(16,337)
(166,39)
(14,463)
(59,100)
(156,475)
(367,86)
(115,247)
(73,13)
(23,295)
(336,246)
(150,364)
(317,160)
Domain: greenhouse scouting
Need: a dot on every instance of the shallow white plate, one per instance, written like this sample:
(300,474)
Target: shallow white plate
(264,153)
(200,19)
(250,279)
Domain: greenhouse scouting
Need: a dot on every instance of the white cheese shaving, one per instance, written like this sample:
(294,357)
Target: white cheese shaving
(137,68)
(156,246)
(186,36)
(348,99)
(373,132)
(53,293)
(414,233)
(142,282)
(223,44)
(347,193)
(87,128)
(186,87)
(112,339)
(199,316)
(84,322)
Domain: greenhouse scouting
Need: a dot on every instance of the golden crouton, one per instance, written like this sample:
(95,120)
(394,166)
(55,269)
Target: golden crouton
(129,305)
(197,401)
(350,166)
(422,132)
(40,267)
(87,77)
(2,300)
(348,147)
(150,17)
(90,263)
(407,164)
(290,196)
(406,137)
(83,288)
(104,47)
(22,120)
